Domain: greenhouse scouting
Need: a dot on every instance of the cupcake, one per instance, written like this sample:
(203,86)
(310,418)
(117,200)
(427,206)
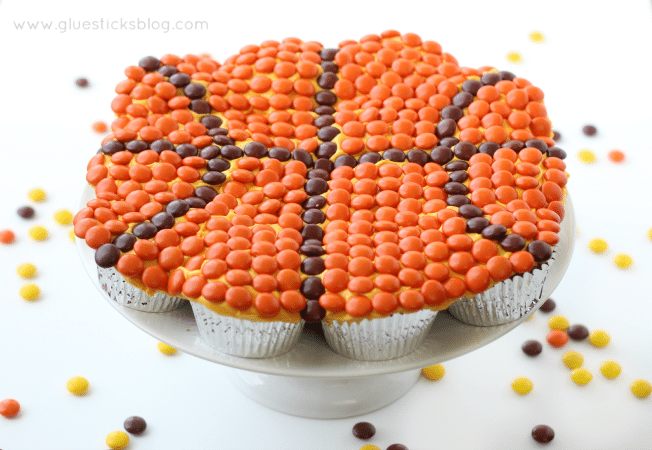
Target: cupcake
(367,186)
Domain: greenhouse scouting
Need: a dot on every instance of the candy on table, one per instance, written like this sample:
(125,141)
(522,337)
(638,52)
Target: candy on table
(548,306)
(363,430)
(26,212)
(99,127)
(589,130)
(433,373)
(573,359)
(577,332)
(610,369)
(370,447)
(77,385)
(557,338)
(641,388)
(63,217)
(532,347)
(537,37)
(7,236)
(166,349)
(135,425)
(599,338)
(581,376)
(623,260)
(586,156)
(81,82)
(543,434)
(522,385)
(558,322)
(9,408)
(38,233)
(117,440)
(616,156)
(26,270)
(397,447)
(514,57)
(37,195)
(598,245)
(30,291)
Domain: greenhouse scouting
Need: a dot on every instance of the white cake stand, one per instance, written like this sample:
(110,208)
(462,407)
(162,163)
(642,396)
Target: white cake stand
(312,380)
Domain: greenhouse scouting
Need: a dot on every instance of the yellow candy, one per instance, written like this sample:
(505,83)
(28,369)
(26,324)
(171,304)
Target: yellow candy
(623,261)
(581,376)
(30,292)
(514,57)
(37,195)
(77,385)
(522,385)
(598,245)
(537,37)
(433,373)
(610,369)
(117,440)
(166,349)
(586,156)
(558,322)
(573,360)
(63,217)
(649,233)
(641,388)
(26,270)
(38,233)
(71,235)
(370,447)
(599,338)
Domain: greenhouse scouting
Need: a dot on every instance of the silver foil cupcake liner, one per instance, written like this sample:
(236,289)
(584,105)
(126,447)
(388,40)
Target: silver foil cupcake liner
(245,338)
(505,302)
(380,339)
(130,296)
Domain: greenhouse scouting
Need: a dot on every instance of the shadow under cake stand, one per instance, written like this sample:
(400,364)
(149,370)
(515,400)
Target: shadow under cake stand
(312,380)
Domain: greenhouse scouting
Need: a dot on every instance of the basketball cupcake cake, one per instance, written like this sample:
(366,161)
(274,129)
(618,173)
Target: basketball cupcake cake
(366,186)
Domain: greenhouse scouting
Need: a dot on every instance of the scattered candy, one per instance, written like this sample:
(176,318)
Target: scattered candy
(77,385)
(37,195)
(543,434)
(117,440)
(581,376)
(616,156)
(7,236)
(26,270)
(599,338)
(166,349)
(522,385)
(364,430)
(397,447)
(577,332)
(26,212)
(573,360)
(532,348)
(610,369)
(38,233)
(558,322)
(623,261)
(557,338)
(9,408)
(598,245)
(71,234)
(100,127)
(135,424)
(370,447)
(434,373)
(63,217)
(641,388)
(589,130)
(586,156)
(649,233)
(548,305)
(537,37)
(514,57)
(30,292)
(81,82)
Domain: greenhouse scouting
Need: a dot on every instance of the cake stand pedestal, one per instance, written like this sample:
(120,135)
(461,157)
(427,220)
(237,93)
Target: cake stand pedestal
(313,381)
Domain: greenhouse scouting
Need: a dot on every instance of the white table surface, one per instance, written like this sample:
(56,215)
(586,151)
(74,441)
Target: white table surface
(594,67)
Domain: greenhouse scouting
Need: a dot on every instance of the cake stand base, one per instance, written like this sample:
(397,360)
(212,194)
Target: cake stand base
(324,398)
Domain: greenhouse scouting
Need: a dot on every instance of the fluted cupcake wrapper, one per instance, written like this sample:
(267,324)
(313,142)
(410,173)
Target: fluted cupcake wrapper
(245,338)
(379,339)
(130,296)
(505,302)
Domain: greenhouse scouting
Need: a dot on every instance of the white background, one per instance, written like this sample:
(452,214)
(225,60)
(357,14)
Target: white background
(595,68)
